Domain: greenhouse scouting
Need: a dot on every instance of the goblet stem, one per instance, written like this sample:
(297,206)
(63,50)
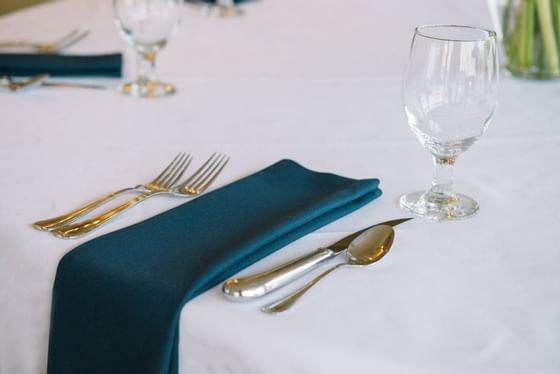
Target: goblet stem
(440,202)
(442,183)
(147,67)
(147,83)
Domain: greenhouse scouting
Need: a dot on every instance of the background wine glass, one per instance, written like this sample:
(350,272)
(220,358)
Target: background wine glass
(147,25)
(450,94)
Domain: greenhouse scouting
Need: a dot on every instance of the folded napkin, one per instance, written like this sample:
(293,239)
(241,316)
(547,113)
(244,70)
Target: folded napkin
(117,298)
(61,65)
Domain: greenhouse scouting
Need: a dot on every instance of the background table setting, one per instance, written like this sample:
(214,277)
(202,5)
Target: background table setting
(284,133)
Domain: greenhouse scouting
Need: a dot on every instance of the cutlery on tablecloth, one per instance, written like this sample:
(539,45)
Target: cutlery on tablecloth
(257,285)
(181,160)
(152,268)
(47,47)
(73,85)
(14,85)
(193,186)
(369,247)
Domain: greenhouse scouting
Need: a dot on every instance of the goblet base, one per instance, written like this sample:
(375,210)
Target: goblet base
(149,89)
(438,207)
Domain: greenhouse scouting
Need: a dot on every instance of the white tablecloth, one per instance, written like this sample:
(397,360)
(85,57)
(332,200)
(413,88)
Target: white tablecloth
(317,81)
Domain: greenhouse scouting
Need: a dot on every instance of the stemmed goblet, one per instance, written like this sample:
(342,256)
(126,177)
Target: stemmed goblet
(450,95)
(147,25)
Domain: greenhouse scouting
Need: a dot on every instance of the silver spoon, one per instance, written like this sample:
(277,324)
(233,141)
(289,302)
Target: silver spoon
(366,249)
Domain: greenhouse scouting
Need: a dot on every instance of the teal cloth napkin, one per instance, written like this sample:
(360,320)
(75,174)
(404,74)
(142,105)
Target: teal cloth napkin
(16,64)
(117,298)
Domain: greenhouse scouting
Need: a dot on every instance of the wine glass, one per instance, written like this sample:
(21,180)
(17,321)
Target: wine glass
(450,95)
(147,25)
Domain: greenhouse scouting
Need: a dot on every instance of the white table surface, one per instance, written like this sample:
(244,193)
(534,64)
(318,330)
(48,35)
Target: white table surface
(319,82)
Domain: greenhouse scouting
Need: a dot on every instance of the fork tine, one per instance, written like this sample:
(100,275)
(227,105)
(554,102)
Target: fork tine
(203,185)
(197,173)
(158,178)
(206,171)
(173,172)
(71,41)
(65,37)
(184,166)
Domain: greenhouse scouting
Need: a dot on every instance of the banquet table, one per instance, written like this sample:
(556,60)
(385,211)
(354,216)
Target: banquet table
(318,82)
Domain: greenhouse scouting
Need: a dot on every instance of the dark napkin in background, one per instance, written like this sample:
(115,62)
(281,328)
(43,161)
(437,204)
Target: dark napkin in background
(117,298)
(13,64)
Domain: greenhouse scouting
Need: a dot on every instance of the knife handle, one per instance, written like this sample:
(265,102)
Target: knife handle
(254,286)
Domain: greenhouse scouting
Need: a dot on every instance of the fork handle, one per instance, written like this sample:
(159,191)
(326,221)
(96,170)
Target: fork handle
(17,44)
(82,228)
(53,223)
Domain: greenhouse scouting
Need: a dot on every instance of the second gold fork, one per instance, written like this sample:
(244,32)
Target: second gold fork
(195,185)
(56,222)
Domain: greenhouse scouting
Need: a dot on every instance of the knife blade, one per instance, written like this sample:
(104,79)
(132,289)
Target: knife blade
(74,85)
(257,285)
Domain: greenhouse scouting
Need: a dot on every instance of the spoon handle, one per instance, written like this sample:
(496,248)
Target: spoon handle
(286,303)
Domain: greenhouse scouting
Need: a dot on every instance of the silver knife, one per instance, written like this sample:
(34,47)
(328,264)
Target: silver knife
(73,85)
(254,286)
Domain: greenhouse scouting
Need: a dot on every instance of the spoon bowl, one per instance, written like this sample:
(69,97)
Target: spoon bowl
(370,246)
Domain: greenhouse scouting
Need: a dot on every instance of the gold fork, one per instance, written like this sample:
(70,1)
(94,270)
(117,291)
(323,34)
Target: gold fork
(180,161)
(193,186)
(49,48)
(203,177)
(14,86)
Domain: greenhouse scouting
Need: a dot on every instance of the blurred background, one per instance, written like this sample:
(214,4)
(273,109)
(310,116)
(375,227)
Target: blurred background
(7,6)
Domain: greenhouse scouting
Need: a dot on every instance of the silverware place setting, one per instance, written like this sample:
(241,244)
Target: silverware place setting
(361,248)
(53,47)
(165,183)
(17,85)
(369,247)
(22,84)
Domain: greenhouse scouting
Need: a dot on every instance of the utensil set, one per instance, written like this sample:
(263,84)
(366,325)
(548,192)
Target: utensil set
(17,85)
(11,84)
(56,46)
(364,247)
(361,248)
(167,182)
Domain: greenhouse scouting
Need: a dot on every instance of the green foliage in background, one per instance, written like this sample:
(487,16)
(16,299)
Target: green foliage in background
(7,6)
(532,37)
